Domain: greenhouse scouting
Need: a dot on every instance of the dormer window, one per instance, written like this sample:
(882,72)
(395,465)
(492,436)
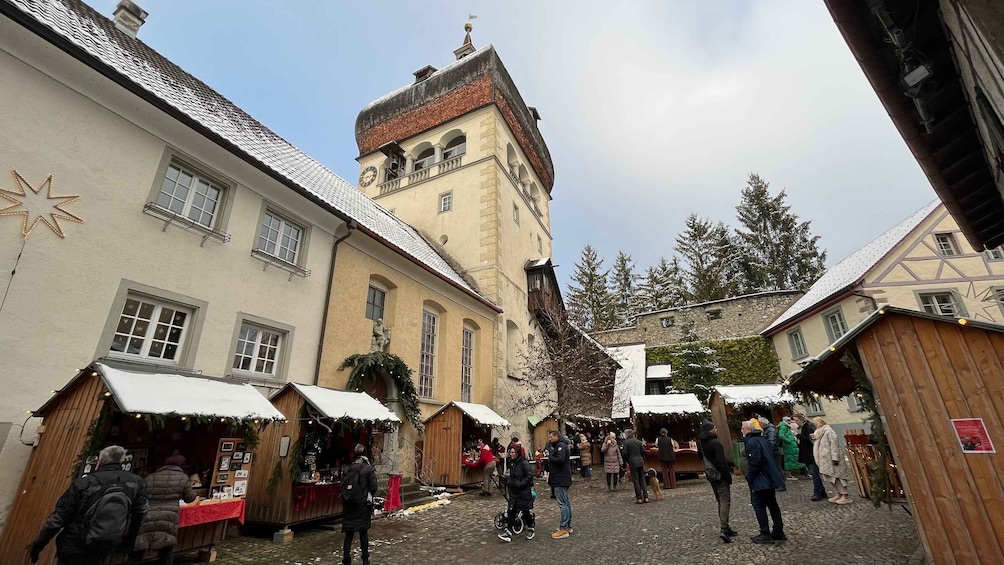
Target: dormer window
(424,73)
(425,159)
(457,146)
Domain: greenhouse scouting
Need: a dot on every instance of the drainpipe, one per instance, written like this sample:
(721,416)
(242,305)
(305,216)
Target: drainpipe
(350,226)
(871,298)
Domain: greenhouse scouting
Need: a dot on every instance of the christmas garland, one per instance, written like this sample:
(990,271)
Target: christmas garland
(878,469)
(366,367)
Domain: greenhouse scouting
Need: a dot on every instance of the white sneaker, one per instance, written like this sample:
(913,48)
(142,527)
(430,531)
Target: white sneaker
(506,536)
(529,533)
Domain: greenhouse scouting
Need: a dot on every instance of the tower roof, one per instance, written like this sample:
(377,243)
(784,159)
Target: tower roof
(473,81)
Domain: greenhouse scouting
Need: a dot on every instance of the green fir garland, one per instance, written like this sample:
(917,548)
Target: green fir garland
(878,469)
(369,366)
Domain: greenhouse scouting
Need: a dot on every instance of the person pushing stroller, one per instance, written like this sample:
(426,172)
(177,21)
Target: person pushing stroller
(520,487)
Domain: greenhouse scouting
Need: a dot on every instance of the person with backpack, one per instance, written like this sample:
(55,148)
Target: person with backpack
(359,484)
(718,472)
(159,532)
(97,515)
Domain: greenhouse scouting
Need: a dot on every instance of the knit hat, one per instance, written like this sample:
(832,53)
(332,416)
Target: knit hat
(176,460)
(756,424)
(707,426)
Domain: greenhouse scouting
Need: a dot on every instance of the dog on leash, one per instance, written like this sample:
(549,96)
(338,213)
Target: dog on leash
(653,484)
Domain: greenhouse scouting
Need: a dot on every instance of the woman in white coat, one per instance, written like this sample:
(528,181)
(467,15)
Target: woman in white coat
(830,457)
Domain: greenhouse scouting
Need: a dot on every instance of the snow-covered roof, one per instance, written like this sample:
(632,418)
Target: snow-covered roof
(755,394)
(629,379)
(337,404)
(139,392)
(854,268)
(667,404)
(88,30)
(480,413)
(659,372)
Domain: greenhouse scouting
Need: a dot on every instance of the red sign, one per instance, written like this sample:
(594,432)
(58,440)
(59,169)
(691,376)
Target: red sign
(973,436)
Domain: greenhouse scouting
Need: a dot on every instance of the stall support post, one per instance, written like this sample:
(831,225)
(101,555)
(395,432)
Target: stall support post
(208,555)
(284,535)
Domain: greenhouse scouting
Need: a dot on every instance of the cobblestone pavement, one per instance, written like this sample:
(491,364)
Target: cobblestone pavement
(610,528)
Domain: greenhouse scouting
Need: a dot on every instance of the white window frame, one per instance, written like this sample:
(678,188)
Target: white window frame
(801,340)
(946,244)
(427,355)
(835,333)
(153,323)
(467,364)
(446,202)
(258,350)
(188,202)
(929,303)
(813,405)
(854,403)
(995,254)
(457,150)
(279,248)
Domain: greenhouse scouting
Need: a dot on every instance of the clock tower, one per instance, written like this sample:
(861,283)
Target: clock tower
(458,155)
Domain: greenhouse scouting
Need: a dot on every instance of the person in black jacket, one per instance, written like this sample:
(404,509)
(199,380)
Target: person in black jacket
(667,458)
(71,519)
(520,486)
(560,479)
(805,457)
(359,517)
(634,456)
(763,477)
(711,449)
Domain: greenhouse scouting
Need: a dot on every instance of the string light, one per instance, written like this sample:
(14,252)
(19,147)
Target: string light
(138,416)
(108,394)
(963,321)
(183,418)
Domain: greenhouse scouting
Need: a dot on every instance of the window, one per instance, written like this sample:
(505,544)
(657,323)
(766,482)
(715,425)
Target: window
(995,254)
(150,329)
(515,213)
(941,304)
(854,402)
(427,357)
(257,350)
(187,194)
(424,160)
(715,314)
(540,245)
(797,343)
(813,407)
(467,365)
(667,322)
(375,300)
(280,238)
(835,325)
(456,147)
(446,202)
(946,244)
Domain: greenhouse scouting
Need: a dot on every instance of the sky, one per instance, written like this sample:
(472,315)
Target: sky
(650,110)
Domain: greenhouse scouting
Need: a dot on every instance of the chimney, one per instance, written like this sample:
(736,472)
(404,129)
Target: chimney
(534,113)
(129,17)
(424,73)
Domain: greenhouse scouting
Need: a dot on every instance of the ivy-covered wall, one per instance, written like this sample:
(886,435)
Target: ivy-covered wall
(747,360)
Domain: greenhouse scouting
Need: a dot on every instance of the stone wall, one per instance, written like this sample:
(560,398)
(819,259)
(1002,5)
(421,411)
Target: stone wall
(720,319)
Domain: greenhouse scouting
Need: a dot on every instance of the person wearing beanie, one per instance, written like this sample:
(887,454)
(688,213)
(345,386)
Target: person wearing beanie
(764,478)
(357,515)
(159,531)
(711,450)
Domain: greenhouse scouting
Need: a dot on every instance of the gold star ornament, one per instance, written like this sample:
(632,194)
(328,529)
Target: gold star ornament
(32,200)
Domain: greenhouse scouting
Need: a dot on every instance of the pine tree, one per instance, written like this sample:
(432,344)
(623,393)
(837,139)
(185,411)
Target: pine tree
(662,287)
(590,305)
(623,283)
(777,251)
(710,253)
(696,370)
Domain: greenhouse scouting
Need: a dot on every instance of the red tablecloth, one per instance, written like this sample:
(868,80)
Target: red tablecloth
(211,512)
(393,500)
(305,494)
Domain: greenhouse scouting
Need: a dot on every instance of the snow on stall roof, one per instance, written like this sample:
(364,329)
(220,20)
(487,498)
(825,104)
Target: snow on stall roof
(755,394)
(629,379)
(659,372)
(480,413)
(852,269)
(95,34)
(667,404)
(337,404)
(170,393)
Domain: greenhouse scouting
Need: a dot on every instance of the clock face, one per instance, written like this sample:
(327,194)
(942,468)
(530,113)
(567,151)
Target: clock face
(368,175)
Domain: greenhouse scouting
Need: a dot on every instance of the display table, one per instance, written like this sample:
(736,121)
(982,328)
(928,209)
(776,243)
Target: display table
(687,460)
(200,526)
(211,511)
(305,494)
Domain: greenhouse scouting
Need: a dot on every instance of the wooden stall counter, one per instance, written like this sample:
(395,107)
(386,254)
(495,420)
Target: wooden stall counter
(687,459)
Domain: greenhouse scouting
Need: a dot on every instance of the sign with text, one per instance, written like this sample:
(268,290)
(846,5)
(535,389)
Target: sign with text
(973,435)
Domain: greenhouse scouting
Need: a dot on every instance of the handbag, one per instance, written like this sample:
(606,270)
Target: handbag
(711,472)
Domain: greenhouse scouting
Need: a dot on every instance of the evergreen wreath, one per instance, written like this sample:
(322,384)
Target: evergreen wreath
(369,366)
(878,469)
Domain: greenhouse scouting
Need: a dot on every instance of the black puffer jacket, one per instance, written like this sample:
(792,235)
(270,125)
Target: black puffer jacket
(711,448)
(359,517)
(521,483)
(558,464)
(164,488)
(805,456)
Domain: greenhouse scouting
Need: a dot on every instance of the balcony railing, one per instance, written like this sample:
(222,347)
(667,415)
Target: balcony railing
(393,185)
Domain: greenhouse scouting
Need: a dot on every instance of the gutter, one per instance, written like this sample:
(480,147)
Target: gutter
(43,31)
(351,227)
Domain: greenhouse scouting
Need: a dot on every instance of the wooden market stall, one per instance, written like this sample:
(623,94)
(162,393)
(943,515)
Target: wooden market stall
(681,415)
(938,383)
(541,427)
(301,460)
(212,422)
(450,433)
(596,426)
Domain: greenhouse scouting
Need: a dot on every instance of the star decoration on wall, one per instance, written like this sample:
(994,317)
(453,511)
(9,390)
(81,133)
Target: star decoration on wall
(21,206)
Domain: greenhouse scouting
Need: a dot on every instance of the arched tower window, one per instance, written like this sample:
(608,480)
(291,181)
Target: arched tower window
(456,146)
(425,159)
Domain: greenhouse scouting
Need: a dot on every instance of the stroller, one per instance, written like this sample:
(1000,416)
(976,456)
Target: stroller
(524,518)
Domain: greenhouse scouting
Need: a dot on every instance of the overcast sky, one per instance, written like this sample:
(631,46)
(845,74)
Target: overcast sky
(651,110)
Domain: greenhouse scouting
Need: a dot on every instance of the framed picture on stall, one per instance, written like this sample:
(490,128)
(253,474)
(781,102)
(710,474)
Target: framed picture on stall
(241,474)
(238,456)
(240,488)
(227,446)
(223,478)
(247,457)
(224,463)
(241,447)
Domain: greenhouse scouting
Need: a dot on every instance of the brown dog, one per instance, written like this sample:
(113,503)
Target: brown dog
(653,484)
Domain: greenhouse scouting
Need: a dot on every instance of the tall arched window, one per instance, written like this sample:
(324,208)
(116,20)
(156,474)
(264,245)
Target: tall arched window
(425,159)
(456,146)
(468,345)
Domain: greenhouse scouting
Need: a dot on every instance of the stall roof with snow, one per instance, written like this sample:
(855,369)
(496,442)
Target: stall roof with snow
(768,395)
(338,404)
(481,414)
(668,404)
(138,391)
(659,372)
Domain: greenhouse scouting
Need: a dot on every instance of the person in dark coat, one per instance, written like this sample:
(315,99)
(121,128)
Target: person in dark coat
(711,449)
(634,455)
(805,457)
(159,532)
(71,519)
(520,487)
(763,477)
(667,458)
(358,517)
(560,479)
(772,436)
